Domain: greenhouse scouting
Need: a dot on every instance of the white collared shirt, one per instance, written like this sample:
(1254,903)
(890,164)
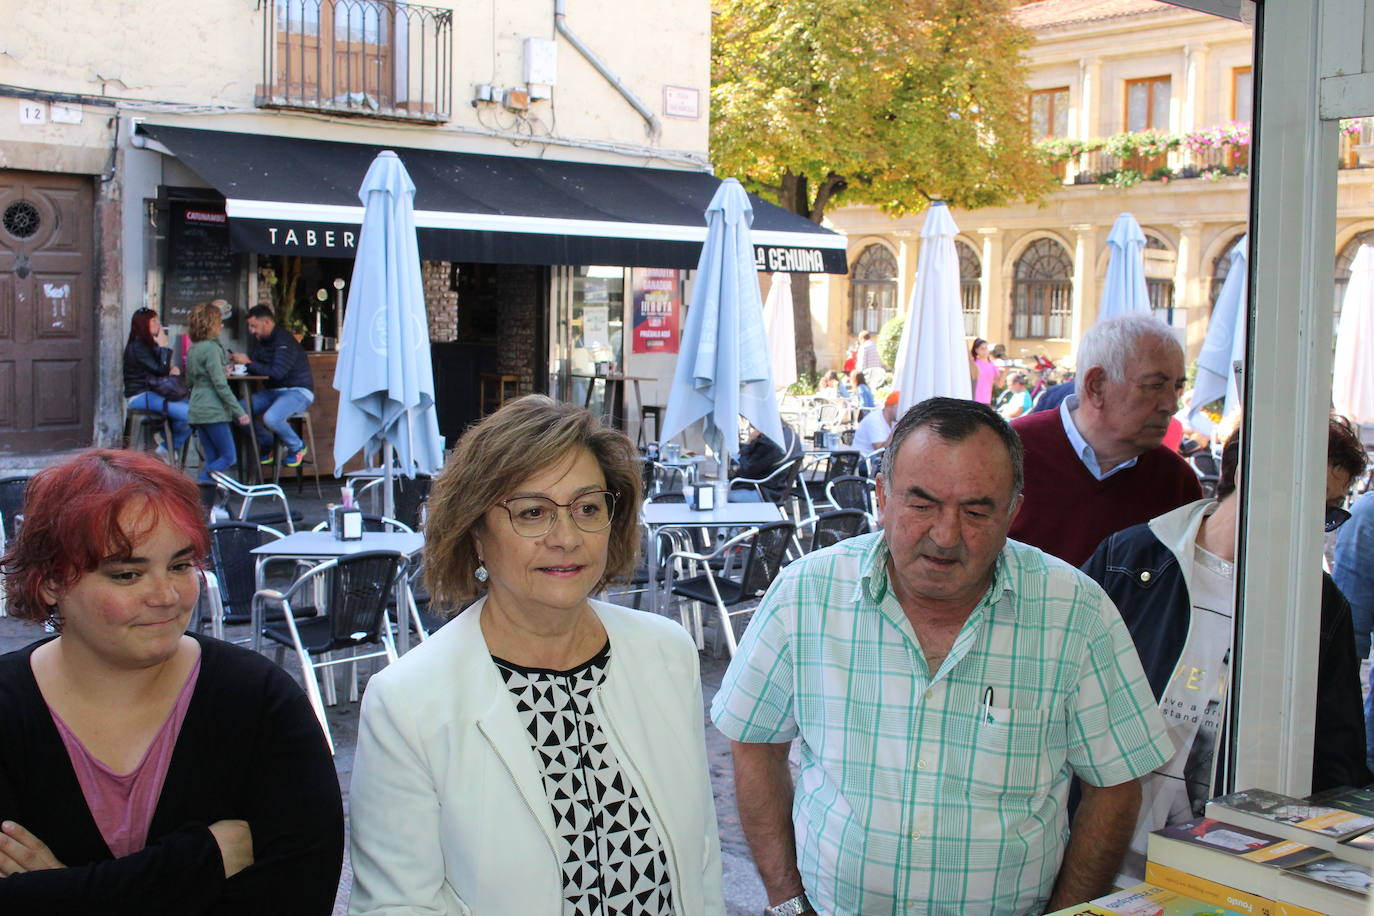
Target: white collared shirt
(1081,448)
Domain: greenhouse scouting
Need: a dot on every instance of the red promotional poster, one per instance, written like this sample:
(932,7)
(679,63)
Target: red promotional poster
(658,307)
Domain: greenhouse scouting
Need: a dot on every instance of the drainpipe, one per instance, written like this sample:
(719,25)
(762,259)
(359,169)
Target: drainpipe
(560,25)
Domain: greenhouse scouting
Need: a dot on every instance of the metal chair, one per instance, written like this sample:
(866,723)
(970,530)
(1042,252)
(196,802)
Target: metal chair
(250,492)
(409,497)
(661,480)
(832,527)
(235,567)
(782,484)
(356,591)
(763,551)
(12,504)
(837,464)
(854,492)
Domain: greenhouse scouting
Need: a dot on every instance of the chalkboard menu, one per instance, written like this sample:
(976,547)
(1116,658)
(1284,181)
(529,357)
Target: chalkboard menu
(200,264)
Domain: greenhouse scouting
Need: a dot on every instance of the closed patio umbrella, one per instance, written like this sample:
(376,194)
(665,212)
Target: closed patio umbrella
(723,369)
(932,357)
(777,324)
(384,376)
(1124,290)
(1352,388)
(1225,343)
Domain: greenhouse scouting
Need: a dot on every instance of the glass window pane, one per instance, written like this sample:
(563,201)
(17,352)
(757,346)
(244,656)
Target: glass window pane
(1242,107)
(1159,108)
(1137,106)
(1040,115)
(1061,113)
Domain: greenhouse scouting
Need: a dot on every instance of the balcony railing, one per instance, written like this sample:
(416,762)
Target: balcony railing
(377,58)
(1211,153)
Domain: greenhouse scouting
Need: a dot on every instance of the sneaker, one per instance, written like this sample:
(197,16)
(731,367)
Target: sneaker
(295,458)
(267,456)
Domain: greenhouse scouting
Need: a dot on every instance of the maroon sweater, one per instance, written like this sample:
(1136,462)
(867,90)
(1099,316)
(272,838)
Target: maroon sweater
(1067,512)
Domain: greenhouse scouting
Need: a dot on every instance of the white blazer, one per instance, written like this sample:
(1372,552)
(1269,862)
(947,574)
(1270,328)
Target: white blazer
(447,805)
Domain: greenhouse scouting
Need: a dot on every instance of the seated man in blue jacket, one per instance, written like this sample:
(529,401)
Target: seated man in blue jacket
(288,390)
(1172,578)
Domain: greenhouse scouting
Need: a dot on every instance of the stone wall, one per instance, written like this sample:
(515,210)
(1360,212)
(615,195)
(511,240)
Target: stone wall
(441,303)
(523,290)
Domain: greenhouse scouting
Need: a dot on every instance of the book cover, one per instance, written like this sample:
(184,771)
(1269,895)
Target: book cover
(1336,872)
(1239,842)
(1083,909)
(1152,900)
(1361,800)
(1231,898)
(1269,810)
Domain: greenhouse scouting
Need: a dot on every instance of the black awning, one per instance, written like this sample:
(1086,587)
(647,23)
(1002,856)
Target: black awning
(290,196)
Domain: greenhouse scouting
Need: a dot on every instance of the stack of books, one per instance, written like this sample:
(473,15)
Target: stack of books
(1267,854)
(1146,900)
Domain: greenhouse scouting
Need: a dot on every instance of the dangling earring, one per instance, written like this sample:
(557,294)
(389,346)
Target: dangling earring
(480,573)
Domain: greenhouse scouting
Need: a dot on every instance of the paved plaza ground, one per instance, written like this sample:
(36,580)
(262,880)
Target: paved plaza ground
(743,891)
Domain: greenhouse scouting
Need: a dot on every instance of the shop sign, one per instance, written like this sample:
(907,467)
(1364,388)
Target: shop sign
(658,310)
(789,260)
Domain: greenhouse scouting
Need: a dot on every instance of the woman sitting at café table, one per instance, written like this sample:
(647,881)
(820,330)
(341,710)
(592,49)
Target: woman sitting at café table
(145,770)
(543,752)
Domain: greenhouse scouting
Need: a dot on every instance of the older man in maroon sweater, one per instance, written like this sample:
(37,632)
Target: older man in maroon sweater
(1096,465)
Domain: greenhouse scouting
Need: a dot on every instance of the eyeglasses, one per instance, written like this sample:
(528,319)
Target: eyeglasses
(535,516)
(1335,518)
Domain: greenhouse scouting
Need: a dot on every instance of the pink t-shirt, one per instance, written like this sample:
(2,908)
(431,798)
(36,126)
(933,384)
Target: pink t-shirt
(987,372)
(123,803)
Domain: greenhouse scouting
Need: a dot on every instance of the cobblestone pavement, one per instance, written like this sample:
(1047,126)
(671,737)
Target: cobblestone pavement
(743,890)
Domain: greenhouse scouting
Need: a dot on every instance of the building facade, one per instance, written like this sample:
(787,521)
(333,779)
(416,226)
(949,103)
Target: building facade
(1148,107)
(176,153)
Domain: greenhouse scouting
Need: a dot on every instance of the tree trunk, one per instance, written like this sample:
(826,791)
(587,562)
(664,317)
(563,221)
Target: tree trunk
(794,196)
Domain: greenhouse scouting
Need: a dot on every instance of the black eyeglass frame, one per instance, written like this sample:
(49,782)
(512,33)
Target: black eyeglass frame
(553,516)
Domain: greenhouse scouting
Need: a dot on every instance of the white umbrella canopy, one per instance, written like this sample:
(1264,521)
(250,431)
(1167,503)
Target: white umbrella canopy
(1124,290)
(1352,388)
(932,358)
(723,369)
(384,375)
(777,324)
(1225,343)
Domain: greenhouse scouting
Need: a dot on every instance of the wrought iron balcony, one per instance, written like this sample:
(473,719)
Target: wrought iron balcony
(372,58)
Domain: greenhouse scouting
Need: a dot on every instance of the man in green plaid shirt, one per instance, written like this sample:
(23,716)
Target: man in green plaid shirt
(946,684)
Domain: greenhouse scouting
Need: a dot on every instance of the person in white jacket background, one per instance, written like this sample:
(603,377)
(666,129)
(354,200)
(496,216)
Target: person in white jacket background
(543,752)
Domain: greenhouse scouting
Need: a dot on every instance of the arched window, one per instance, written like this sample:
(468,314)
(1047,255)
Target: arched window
(873,290)
(1042,294)
(1160,261)
(970,290)
(1221,265)
(1343,262)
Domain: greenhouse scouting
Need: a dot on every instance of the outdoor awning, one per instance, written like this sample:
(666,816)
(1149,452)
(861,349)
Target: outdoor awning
(290,196)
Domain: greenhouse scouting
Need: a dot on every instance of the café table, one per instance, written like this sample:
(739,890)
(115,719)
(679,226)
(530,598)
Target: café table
(657,516)
(323,545)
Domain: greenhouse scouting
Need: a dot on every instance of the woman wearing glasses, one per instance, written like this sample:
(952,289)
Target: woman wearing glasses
(544,752)
(1173,579)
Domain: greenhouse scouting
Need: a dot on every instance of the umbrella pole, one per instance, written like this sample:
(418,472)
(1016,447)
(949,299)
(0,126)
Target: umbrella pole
(388,495)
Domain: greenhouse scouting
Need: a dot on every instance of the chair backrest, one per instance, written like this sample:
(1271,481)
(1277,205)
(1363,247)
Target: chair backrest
(360,586)
(12,503)
(410,498)
(833,527)
(782,480)
(766,554)
(851,492)
(661,479)
(842,464)
(231,546)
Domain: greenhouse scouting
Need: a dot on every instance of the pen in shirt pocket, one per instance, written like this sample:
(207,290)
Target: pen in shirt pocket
(987,704)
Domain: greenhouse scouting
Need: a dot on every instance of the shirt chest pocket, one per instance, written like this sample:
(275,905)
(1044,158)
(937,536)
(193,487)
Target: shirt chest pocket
(1007,755)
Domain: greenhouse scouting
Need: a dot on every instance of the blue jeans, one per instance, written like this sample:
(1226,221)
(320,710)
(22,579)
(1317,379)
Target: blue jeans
(271,407)
(217,442)
(176,411)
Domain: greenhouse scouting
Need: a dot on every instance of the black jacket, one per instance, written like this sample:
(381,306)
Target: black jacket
(249,748)
(1143,578)
(282,359)
(140,361)
(762,456)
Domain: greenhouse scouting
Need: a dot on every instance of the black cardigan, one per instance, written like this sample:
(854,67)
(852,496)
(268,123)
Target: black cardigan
(250,748)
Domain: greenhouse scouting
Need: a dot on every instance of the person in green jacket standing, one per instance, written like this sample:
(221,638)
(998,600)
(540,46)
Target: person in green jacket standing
(213,405)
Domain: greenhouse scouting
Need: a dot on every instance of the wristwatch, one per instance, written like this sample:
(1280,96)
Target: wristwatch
(792,907)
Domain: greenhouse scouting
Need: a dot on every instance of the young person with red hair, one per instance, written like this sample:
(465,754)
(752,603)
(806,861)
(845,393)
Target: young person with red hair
(144,769)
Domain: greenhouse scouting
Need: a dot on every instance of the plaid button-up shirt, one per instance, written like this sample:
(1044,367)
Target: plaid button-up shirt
(940,793)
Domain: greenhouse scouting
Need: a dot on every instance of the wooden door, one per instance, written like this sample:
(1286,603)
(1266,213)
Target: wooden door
(47,312)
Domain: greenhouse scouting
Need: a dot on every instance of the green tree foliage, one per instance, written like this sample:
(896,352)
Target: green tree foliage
(893,103)
(886,102)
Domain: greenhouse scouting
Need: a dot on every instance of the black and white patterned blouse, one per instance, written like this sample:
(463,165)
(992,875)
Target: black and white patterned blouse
(615,863)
